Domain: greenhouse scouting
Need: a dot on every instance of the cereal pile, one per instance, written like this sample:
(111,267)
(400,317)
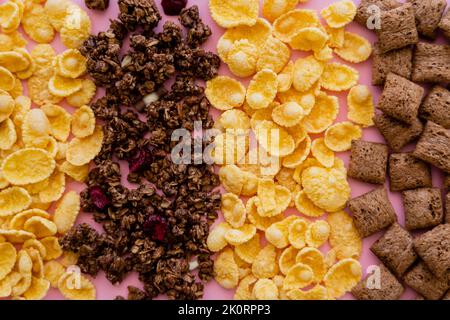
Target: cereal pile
(159,226)
(401,63)
(288,111)
(36,155)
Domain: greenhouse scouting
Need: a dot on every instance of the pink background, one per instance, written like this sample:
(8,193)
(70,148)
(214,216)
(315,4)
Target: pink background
(100,21)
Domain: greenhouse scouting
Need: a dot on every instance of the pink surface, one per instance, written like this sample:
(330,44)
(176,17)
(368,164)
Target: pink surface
(100,21)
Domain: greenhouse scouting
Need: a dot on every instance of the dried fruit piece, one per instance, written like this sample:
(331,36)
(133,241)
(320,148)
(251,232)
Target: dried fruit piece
(262,89)
(82,150)
(317,233)
(67,212)
(233,210)
(307,72)
(339,77)
(226,270)
(234,13)
(28,165)
(288,24)
(242,58)
(225,93)
(83,96)
(274,55)
(342,277)
(265,264)
(361,109)
(74,286)
(272,9)
(59,120)
(265,289)
(339,13)
(355,49)
(305,206)
(339,136)
(299,276)
(327,188)
(70,64)
(322,153)
(323,114)
(344,237)
(310,38)
(216,239)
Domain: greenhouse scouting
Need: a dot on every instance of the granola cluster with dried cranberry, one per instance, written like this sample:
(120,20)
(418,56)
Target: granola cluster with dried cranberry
(156,234)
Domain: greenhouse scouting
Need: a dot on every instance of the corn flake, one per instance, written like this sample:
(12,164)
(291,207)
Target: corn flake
(233,119)
(226,270)
(77,173)
(233,210)
(318,292)
(39,91)
(272,9)
(57,11)
(305,206)
(355,49)
(322,115)
(288,114)
(242,58)
(76,287)
(337,38)
(234,13)
(53,270)
(237,236)
(62,86)
(13,200)
(231,178)
(342,277)
(35,244)
(19,219)
(274,139)
(83,122)
(53,248)
(37,290)
(339,77)
(7,105)
(82,150)
(307,72)
(249,250)
(262,89)
(8,256)
(317,233)
(299,276)
(37,26)
(67,212)
(287,25)
(225,93)
(315,259)
(360,104)
(274,55)
(278,233)
(7,79)
(59,120)
(16,236)
(344,237)
(265,264)
(265,289)
(13,61)
(261,223)
(297,230)
(40,227)
(76,28)
(245,288)
(10,16)
(286,77)
(216,238)
(287,259)
(310,38)
(299,155)
(322,153)
(339,136)
(70,64)
(8,135)
(339,13)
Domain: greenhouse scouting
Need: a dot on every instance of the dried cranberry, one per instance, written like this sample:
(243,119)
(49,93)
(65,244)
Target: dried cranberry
(141,159)
(173,7)
(98,198)
(156,226)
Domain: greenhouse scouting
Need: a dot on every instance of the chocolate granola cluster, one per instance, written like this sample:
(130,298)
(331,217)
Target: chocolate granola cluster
(156,234)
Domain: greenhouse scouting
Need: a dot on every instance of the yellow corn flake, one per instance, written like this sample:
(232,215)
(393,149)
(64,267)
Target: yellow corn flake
(324,54)
(274,139)
(306,99)
(225,93)
(57,11)
(317,233)
(306,207)
(8,135)
(237,236)
(16,236)
(53,248)
(287,25)
(245,288)
(265,264)
(250,185)
(35,244)
(39,91)
(274,55)
(323,114)
(82,150)
(361,109)
(36,129)
(344,238)
(256,35)
(53,270)
(84,95)
(76,28)
(231,178)
(28,72)
(339,77)
(38,289)
(337,38)
(7,105)
(342,277)
(28,165)
(67,212)
(261,223)
(233,210)
(266,195)
(55,188)
(310,38)
(13,61)
(22,105)
(339,13)
(315,259)
(278,233)
(299,155)
(242,58)
(233,119)
(61,153)
(12,41)
(226,271)
(287,259)
(37,26)
(234,13)
(62,86)
(10,16)
(36,187)
(13,200)
(297,230)
(272,9)
(299,276)
(339,136)
(76,287)
(262,89)
(40,227)
(286,77)
(19,219)
(356,49)
(307,72)
(230,147)
(326,188)
(83,122)
(22,285)
(8,256)
(322,153)
(17,90)
(263,114)
(283,200)
(42,55)
(288,114)
(249,250)
(59,120)
(70,64)
(318,292)
(7,79)
(265,289)
(216,238)
(77,173)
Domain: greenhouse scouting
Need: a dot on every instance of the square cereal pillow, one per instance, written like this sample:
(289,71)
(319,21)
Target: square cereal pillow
(372,212)
(444,25)
(447,207)
(436,107)
(363,12)
(434,146)
(431,63)
(395,249)
(397,133)
(401,98)
(422,280)
(423,208)
(428,15)
(398,29)
(407,172)
(397,61)
(368,161)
